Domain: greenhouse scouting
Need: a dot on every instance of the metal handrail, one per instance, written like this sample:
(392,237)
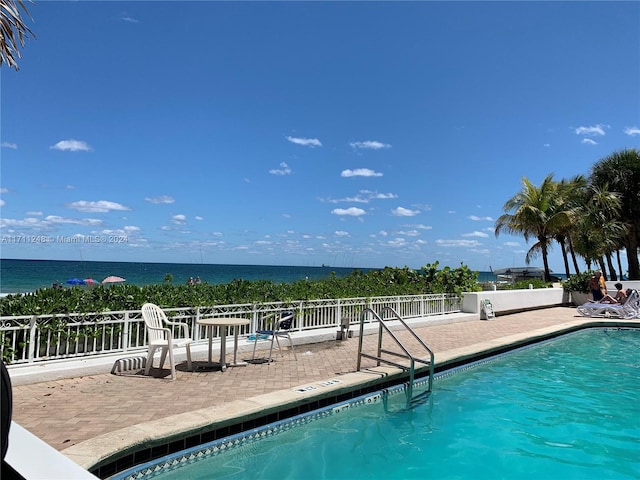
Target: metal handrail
(406,354)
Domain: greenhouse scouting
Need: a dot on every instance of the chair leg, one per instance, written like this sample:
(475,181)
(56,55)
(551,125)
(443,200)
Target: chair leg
(172,364)
(149,364)
(292,349)
(163,357)
(273,337)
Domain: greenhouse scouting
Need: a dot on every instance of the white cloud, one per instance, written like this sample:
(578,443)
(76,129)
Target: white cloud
(160,199)
(4,190)
(36,214)
(364,196)
(422,227)
(370,144)
(55,219)
(478,219)
(101,206)
(475,234)
(408,233)
(512,244)
(404,212)
(458,243)
(593,131)
(341,233)
(632,131)
(179,219)
(283,170)
(9,145)
(360,172)
(127,18)
(2,203)
(351,211)
(305,142)
(588,141)
(199,218)
(71,146)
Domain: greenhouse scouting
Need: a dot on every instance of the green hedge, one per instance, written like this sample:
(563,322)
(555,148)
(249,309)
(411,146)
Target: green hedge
(99,298)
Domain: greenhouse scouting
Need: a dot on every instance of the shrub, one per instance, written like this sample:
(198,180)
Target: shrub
(578,282)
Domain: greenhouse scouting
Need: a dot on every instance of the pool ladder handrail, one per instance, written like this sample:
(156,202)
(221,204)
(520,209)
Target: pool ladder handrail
(383,327)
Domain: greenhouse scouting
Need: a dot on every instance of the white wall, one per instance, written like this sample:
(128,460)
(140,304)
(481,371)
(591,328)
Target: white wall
(514,300)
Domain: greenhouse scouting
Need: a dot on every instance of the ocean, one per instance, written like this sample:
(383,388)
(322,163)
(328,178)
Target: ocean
(19,276)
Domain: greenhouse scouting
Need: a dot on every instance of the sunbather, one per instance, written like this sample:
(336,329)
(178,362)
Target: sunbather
(620,296)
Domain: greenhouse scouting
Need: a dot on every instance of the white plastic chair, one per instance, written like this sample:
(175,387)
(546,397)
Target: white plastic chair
(160,336)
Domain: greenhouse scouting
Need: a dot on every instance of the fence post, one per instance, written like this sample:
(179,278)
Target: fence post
(32,339)
(126,335)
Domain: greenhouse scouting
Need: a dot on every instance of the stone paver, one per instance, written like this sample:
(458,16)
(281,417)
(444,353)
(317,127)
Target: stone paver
(66,412)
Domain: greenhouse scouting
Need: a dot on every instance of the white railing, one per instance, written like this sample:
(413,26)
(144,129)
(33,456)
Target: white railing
(38,338)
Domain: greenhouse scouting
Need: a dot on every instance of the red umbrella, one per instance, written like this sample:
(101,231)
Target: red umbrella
(89,281)
(113,279)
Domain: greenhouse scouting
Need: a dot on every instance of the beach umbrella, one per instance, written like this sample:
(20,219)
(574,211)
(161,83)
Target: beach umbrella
(75,281)
(89,281)
(113,279)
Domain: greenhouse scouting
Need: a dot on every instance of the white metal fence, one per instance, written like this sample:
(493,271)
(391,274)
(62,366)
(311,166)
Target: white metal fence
(38,338)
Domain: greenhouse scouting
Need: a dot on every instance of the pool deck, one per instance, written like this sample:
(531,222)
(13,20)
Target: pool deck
(90,417)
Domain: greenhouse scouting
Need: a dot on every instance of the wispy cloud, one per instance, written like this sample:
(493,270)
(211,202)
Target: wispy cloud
(179,219)
(404,212)
(588,141)
(9,145)
(341,233)
(370,144)
(128,18)
(632,131)
(160,199)
(592,131)
(305,142)
(475,234)
(100,206)
(475,218)
(364,196)
(71,146)
(360,172)
(283,170)
(351,211)
(457,243)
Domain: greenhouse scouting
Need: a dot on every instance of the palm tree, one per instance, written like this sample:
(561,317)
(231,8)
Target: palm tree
(570,193)
(621,171)
(538,212)
(13,30)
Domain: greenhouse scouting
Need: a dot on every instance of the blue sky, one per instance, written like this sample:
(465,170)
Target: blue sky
(351,134)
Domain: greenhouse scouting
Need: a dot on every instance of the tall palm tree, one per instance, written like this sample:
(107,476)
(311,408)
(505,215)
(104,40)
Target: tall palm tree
(570,193)
(621,171)
(13,31)
(538,212)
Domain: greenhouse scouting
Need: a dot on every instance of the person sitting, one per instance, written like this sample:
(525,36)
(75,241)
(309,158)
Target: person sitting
(597,286)
(620,296)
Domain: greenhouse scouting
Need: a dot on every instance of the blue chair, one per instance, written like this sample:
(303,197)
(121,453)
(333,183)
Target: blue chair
(280,329)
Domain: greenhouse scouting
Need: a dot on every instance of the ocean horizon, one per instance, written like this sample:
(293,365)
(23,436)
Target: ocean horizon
(21,276)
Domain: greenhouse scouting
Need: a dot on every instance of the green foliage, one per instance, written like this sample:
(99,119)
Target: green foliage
(524,284)
(100,298)
(578,282)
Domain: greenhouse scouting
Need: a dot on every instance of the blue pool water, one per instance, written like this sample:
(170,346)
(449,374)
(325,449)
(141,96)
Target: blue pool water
(567,408)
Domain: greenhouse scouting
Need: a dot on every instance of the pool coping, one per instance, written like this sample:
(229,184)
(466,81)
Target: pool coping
(106,449)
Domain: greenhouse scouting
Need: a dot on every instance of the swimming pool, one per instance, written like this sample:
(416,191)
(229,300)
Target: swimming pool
(563,408)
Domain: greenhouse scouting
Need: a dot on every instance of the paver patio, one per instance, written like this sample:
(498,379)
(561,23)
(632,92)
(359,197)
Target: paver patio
(67,412)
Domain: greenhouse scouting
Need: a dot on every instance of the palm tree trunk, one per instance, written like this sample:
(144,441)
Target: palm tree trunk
(619,264)
(614,276)
(573,256)
(564,255)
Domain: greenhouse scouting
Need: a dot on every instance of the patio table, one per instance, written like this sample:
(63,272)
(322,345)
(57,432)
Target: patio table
(223,323)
